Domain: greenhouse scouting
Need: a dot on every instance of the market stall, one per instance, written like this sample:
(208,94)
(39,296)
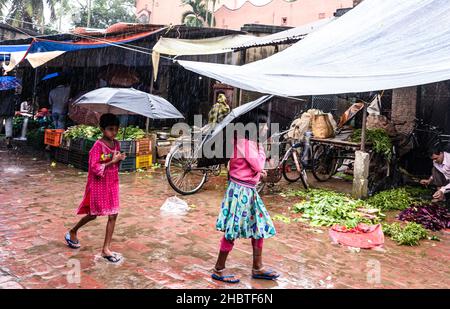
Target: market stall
(73,145)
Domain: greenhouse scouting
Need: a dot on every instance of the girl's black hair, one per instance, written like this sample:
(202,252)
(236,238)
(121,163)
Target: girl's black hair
(257,116)
(107,120)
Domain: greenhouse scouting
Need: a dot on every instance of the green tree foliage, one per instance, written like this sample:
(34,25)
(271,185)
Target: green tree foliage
(105,13)
(196,16)
(28,14)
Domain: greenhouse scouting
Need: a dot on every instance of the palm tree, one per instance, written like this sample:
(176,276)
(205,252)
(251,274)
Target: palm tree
(197,15)
(26,13)
(213,19)
(207,11)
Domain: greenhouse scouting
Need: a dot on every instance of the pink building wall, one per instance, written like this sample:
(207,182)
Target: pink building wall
(232,16)
(162,12)
(279,13)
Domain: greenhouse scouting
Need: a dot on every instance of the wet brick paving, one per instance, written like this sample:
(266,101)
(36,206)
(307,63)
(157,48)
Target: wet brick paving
(37,205)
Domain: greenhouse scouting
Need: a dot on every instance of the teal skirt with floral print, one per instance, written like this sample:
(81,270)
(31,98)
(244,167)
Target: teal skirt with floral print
(243,214)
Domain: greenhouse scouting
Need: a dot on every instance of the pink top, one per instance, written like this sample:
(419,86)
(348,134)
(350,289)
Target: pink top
(247,162)
(101,197)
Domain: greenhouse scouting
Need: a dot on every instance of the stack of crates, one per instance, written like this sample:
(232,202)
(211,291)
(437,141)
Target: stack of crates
(143,153)
(76,153)
(129,164)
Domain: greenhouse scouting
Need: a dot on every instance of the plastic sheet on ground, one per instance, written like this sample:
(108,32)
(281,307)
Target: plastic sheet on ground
(363,236)
(175,206)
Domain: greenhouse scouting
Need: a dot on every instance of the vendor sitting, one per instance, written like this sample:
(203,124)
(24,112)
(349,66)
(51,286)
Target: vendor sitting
(440,174)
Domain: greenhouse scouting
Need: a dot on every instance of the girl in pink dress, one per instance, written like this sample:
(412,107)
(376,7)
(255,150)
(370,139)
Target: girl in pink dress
(101,197)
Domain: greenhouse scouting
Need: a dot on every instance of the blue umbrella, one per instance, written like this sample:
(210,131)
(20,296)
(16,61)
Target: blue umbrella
(49,76)
(8,83)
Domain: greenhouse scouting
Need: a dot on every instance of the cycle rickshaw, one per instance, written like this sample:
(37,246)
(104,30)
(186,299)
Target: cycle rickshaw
(187,169)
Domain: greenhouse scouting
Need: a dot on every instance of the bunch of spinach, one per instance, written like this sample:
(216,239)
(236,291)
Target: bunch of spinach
(83,131)
(379,139)
(408,235)
(326,208)
(396,199)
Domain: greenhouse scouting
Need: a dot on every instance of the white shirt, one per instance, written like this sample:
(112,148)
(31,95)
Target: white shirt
(444,168)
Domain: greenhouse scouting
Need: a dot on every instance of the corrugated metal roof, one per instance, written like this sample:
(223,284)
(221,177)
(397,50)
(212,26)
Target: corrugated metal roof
(285,37)
(178,31)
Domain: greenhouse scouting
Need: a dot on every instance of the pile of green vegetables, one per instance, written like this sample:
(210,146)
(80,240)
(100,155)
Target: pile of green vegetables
(398,199)
(326,208)
(91,132)
(409,234)
(378,138)
(131,133)
(83,131)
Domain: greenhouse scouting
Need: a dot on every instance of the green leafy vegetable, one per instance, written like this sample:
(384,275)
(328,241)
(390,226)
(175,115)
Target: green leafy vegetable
(326,208)
(408,235)
(379,138)
(396,199)
(282,218)
(91,132)
(131,133)
(83,131)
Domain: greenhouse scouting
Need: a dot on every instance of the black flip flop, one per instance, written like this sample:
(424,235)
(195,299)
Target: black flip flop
(112,258)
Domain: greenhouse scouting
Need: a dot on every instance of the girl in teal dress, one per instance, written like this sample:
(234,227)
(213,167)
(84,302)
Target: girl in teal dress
(242,213)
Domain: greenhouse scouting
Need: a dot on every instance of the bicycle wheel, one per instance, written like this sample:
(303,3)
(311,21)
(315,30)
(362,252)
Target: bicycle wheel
(323,162)
(290,171)
(182,172)
(304,179)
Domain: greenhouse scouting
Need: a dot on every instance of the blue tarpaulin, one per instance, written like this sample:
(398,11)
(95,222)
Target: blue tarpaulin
(8,83)
(50,76)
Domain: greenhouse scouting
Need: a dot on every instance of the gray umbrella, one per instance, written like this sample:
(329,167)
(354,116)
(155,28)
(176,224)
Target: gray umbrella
(235,113)
(128,101)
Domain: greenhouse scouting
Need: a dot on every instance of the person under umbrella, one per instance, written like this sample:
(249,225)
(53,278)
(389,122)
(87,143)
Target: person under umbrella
(101,197)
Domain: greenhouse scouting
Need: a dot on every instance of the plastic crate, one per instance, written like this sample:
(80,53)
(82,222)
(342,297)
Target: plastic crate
(143,146)
(79,160)
(77,144)
(62,155)
(88,144)
(128,165)
(53,137)
(143,161)
(129,147)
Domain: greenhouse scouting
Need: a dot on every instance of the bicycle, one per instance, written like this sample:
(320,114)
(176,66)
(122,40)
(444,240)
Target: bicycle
(289,167)
(433,136)
(185,172)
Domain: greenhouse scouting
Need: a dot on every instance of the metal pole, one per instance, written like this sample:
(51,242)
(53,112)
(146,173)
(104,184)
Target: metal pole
(243,60)
(33,101)
(89,14)
(363,129)
(147,123)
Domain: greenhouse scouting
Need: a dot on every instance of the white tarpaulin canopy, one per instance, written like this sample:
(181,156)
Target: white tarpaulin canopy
(228,43)
(380,44)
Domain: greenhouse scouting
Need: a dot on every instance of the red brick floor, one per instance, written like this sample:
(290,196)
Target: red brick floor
(37,205)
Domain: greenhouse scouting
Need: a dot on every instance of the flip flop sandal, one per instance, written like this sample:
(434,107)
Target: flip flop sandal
(267,275)
(112,258)
(225,279)
(72,244)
